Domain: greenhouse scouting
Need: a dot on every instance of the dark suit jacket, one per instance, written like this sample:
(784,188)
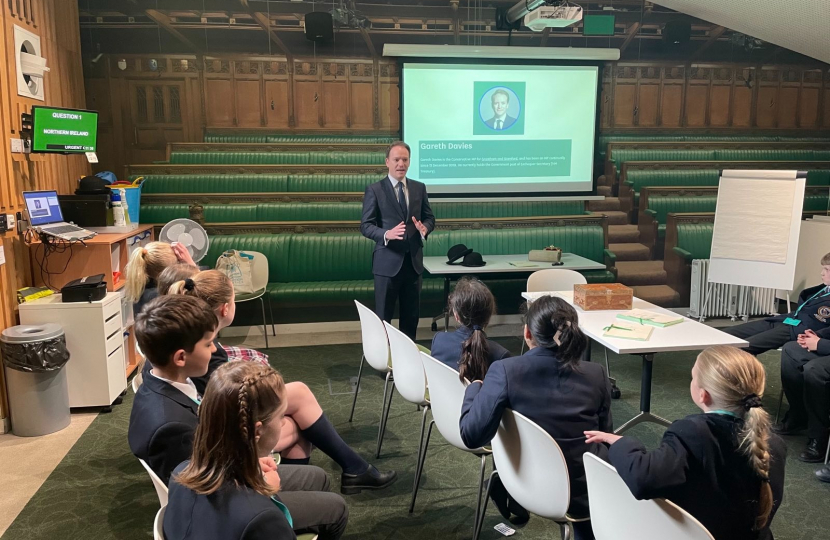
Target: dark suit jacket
(508,121)
(150,291)
(565,403)
(699,467)
(381,212)
(446,347)
(811,315)
(162,425)
(230,513)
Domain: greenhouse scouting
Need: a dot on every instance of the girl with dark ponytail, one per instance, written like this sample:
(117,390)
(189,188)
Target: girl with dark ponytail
(723,465)
(468,349)
(552,386)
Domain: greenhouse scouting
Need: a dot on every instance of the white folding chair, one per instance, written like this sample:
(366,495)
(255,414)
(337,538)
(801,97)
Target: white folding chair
(446,398)
(158,524)
(376,353)
(533,470)
(161,488)
(138,378)
(259,278)
(411,383)
(617,515)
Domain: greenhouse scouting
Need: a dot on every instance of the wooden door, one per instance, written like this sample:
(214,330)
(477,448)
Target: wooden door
(156,118)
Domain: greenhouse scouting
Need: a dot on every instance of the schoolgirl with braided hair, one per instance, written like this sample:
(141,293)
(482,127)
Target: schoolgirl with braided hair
(223,491)
(723,466)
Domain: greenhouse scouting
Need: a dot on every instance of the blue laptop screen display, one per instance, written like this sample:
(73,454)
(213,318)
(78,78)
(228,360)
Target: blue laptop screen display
(43,207)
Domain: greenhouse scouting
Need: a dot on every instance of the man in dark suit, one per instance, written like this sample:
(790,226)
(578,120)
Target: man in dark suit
(500,100)
(397,216)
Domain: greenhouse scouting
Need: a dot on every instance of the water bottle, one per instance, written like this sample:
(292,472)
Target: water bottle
(117,210)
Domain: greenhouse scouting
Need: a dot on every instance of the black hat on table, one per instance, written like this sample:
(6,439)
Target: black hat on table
(458,251)
(92,185)
(473,260)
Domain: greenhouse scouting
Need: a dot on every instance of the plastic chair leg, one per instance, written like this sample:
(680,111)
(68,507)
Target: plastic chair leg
(565,530)
(778,410)
(264,322)
(481,483)
(271,312)
(357,387)
(480,516)
(384,412)
(422,456)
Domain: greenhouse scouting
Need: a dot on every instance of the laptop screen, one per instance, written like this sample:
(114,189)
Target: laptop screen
(43,207)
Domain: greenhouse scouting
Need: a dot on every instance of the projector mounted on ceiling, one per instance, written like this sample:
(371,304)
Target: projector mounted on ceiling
(560,16)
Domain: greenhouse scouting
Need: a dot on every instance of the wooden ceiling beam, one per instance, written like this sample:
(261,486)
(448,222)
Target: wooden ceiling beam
(632,33)
(164,21)
(714,34)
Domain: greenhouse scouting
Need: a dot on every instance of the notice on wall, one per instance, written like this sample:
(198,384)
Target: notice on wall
(2,255)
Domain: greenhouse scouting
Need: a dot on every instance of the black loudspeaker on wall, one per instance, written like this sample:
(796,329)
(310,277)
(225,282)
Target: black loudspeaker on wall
(677,32)
(319,26)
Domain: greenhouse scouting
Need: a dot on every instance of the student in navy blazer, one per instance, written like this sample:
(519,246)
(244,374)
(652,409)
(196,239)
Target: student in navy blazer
(468,349)
(398,218)
(723,465)
(811,315)
(228,490)
(552,387)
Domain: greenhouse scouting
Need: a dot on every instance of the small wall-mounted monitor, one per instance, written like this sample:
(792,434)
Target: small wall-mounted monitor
(64,131)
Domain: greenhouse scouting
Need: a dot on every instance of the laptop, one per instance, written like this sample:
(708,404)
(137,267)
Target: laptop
(45,215)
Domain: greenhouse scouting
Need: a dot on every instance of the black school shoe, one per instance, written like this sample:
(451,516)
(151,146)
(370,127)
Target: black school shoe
(352,484)
(814,453)
(823,474)
(788,427)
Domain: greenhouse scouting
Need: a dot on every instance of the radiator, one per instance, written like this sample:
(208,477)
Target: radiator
(733,301)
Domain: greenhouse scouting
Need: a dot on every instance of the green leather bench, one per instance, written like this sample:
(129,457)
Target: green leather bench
(214,183)
(605,139)
(687,238)
(652,222)
(351,211)
(277,158)
(638,179)
(316,277)
(308,139)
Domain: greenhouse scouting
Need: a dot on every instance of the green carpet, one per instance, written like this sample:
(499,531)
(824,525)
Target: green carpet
(99,491)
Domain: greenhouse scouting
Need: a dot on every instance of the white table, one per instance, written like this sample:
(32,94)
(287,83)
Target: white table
(689,335)
(499,264)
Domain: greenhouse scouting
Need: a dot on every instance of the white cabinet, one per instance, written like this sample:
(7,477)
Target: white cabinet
(94,337)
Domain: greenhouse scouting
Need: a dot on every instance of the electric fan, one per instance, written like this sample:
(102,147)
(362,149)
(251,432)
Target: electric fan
(189,234)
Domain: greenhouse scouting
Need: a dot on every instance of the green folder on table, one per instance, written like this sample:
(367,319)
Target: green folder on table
(627,330)
(642,316)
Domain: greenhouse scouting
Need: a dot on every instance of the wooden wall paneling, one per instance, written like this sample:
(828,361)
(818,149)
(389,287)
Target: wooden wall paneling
(388,111)
(306,95)
(625,96)
(56,22)
(605,96)
(219,102)
(363,107)
(766,104)
(809,105)
(789,98)
(742,95)
(248,99)
(335,95)
(648,99)
(671,96)
(698,82)
(720,96)
(278,100)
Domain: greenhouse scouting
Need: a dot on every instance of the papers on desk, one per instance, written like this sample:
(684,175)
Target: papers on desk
(523,264)
(627,330)
(642,316)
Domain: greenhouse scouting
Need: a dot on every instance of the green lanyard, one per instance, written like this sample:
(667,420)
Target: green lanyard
(284,510)
(721,411)
(824,290)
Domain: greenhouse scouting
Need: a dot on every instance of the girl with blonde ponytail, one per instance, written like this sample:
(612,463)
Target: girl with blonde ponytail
(145,266)
(724,466)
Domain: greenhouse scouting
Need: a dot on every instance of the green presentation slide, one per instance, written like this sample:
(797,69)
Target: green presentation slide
(500,129)
(64,130)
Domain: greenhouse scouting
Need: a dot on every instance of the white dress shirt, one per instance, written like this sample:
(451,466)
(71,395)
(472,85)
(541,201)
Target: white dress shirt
(405,194)
(498,119)
(186,388)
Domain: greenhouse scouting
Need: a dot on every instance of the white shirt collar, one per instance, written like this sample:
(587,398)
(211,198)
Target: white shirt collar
(187,388)
(502,117)
(395,182)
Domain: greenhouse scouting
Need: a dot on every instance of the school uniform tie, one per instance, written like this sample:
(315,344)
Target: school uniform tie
(402,200)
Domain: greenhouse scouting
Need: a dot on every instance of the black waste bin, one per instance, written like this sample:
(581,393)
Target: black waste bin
(34,357)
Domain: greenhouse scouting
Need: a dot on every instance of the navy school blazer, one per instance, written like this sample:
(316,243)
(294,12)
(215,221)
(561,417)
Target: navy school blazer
(815,315)
(230,513)
(563,402)
(699,467)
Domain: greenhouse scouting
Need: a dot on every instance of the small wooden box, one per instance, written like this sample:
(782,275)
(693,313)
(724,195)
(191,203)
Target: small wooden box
(599,296)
